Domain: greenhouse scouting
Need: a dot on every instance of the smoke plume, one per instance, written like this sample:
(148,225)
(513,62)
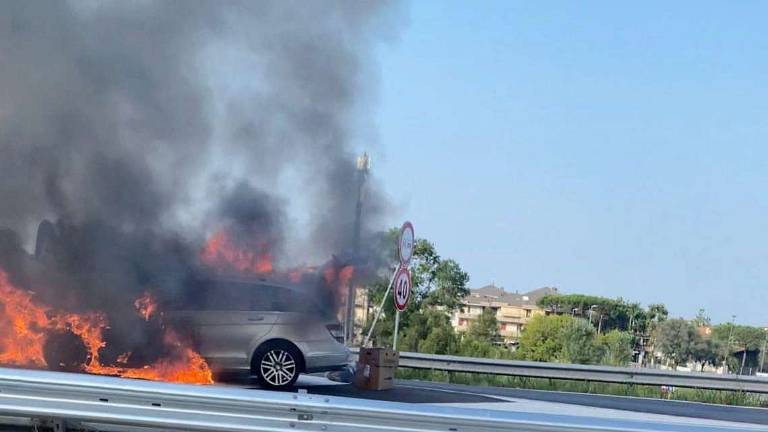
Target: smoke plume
(138,129)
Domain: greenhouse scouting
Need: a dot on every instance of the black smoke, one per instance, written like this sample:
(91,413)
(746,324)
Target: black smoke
(137,129)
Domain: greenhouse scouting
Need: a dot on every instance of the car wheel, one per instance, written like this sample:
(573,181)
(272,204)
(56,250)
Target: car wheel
(277,365)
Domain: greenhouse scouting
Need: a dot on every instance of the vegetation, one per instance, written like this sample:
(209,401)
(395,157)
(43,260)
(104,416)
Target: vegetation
(646,391)
(678,339)
(582,329)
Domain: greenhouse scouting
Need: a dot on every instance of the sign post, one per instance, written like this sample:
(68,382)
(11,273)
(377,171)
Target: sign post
(381,306)
(402,293)
(403,282)
(405,244)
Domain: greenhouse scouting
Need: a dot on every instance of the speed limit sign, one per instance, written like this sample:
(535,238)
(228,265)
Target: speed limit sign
(402,289)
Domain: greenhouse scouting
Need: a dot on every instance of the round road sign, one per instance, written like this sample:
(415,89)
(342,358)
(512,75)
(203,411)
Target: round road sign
(402,288)
(405,244)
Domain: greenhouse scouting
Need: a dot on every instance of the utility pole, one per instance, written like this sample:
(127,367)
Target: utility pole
(363,165)
(728,347)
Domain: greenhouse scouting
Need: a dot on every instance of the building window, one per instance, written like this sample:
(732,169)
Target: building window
(527,313)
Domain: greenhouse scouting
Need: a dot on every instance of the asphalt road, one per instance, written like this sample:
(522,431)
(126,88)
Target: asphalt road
(442,393)
(651,406)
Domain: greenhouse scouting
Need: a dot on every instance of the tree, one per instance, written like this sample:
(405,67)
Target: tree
(739,339)
(430,332)
(437,284)
(616,347)
(657,312)
(708,352)
(485,327)
(677,339)
(541,339)
(578,343)
(450,285)
(702,319)
(613,313)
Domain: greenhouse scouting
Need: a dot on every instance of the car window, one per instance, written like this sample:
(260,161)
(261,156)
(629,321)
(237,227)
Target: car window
(278,299)
(227,296)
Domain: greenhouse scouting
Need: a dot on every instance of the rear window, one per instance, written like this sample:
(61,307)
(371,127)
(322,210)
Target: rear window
(237,296)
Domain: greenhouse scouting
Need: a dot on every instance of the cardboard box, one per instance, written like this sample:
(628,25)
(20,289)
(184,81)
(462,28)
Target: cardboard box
(370,377)
(376,368)
(378,357)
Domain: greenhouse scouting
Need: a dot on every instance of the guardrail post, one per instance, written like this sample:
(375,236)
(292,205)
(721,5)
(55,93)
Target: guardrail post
(54,424)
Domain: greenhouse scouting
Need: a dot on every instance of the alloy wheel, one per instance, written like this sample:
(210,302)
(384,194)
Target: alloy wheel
(278,367)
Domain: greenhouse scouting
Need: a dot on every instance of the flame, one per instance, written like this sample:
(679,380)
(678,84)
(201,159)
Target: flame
(223,253)
(22,326)
(338,279)
(146,306)
(186,366)
(25,327)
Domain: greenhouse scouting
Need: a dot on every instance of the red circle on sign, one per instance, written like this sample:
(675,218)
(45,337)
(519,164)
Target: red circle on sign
(401,291)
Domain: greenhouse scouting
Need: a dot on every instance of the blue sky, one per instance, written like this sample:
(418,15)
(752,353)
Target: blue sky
(602,147)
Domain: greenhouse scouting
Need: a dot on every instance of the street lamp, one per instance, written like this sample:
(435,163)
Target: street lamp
(363,166)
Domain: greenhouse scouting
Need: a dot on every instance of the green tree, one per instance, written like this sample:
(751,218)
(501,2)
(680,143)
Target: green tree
(578,343)
(437,284)
(448,285)
(677,339)
(541,339)
(736,341)
(616,348)
(657,312)
(485,327)
(708,351)
(429,332)
(702,319)
(613,313)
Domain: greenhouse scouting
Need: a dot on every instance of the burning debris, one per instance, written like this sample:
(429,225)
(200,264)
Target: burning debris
(32,335)
(133,130)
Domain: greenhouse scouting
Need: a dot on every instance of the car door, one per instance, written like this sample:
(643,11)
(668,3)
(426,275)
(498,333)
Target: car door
(233,318)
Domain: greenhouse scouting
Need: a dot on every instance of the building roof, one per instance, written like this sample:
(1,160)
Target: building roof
(492,295)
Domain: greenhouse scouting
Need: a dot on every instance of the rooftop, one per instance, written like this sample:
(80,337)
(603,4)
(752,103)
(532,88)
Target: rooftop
(492,294)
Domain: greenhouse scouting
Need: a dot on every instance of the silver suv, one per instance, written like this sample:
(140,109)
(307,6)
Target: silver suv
(274,331)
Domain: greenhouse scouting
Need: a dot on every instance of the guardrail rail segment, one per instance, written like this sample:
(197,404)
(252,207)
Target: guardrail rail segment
(42,400)
(609,374)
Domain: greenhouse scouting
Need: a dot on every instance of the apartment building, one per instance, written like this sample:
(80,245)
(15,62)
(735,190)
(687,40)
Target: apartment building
(513,310)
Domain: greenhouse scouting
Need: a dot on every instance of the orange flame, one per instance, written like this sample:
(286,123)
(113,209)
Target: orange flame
(22,326)
(25,327)
(221,252)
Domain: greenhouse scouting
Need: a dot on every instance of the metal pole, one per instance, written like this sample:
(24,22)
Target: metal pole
(363,163)
(728,348)
(762,354)
(397,328)
(743,361)
(381,306)
(600,325)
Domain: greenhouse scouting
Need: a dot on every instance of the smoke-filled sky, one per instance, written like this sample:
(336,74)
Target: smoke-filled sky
(153,114)
(603,148)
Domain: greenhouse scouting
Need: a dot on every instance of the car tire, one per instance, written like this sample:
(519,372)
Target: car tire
(277,365)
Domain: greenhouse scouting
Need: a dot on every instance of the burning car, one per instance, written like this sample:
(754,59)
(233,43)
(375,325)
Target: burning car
(272,330)
(180,326)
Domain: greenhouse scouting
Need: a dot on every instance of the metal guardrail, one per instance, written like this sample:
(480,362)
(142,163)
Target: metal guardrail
(609,374)
(40,400)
